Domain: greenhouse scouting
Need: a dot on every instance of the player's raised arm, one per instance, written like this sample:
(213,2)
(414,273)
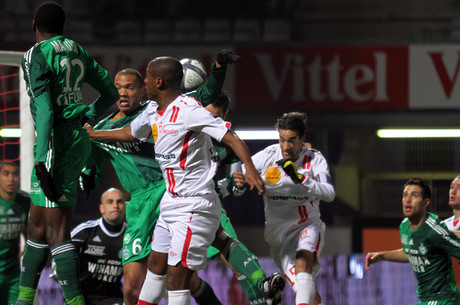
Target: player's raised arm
(119,134)
(242,151)
(393,256)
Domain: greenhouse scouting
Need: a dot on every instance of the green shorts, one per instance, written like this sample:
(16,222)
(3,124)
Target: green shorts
(142,212)
(65,160)
(225,222)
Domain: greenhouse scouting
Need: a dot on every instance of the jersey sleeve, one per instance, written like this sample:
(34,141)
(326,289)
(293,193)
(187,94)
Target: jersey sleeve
(201,120)
(446,240)
(78,237)
(140,127)
(320,185)
(38,75)
(212,88)
(99,79)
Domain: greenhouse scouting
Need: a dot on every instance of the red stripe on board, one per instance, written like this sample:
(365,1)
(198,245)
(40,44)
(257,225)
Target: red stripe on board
(183,153)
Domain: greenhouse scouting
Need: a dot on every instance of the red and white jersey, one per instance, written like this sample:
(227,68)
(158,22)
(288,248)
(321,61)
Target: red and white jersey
(183,146)
(452,223)
(288,206)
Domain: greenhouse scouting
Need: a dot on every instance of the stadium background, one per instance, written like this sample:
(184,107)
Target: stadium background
(354,66)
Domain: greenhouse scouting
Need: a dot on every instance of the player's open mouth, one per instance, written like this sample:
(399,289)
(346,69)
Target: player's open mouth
(124,103)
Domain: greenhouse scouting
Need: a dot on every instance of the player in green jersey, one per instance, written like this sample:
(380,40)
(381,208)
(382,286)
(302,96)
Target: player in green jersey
(14,210)
(427,245)
(55,69)
(138,172)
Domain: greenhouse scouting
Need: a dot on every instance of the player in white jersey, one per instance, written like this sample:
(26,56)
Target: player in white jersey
(296,178)
(453,222)
(190,209)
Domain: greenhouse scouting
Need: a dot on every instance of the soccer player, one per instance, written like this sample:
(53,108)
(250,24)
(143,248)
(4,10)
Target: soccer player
(453,222)
(190,209)
(250,274)
(55,69)
(99,244)
(14,210)
(427,245)
(296,178)
(139,174)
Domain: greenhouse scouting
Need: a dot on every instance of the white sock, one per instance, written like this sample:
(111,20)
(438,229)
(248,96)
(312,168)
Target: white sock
(179,297)
(152,290)
(305,288)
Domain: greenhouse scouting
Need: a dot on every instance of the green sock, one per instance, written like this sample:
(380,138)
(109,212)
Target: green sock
(205,295)
(33,262)
(253,294)
(244,262)
(67,271)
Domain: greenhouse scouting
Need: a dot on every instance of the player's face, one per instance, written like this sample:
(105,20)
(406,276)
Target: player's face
(290,143)
(131,93)
(9,179)
(216,112)
(454,193)
(112,206)
(413,203)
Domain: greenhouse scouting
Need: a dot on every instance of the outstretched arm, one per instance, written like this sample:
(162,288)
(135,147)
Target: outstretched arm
(394,256)
(242,151)
(119,134)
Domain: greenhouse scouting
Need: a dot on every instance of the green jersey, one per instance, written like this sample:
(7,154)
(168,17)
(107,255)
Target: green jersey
(13,215)
(429,248)
(55,71)
(134,162)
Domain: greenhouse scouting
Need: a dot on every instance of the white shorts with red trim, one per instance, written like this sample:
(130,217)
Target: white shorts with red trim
(310,238)
(185,233)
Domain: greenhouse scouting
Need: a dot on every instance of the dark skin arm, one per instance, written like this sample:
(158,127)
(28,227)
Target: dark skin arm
(242,151)
(119,134)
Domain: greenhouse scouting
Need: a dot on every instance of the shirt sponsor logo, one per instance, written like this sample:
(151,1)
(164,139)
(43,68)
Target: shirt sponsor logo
(170,132)
(272,175)
(165,156)
(299,198)
(95,250)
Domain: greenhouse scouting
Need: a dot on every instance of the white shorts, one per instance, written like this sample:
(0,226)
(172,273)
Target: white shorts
(186,231)
(310,238)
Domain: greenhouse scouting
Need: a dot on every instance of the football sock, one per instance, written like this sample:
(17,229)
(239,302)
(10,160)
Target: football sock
(179,297)
(67,271)
(33,262)
(305,288)
(253,294)
(243,261)
(205,295)
(153,289)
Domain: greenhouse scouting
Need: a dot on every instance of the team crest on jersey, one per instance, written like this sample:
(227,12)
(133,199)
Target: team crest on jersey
(422,249)
(272,175)
(127,238)
(304,234)
(126,253)
(155,132)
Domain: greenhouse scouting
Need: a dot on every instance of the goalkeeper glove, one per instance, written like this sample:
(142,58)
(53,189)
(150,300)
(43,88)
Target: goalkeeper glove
(46,181)
(290,169)
(233,189)
(226,56)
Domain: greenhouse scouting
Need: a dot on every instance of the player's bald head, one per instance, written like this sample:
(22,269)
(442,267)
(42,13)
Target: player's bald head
(167,68)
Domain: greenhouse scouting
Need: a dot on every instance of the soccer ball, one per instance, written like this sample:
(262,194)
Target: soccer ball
(194,74)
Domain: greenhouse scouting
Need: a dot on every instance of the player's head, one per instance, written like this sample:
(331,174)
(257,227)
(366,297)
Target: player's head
(49,18)
(292,128)
(416,198)
(130,86)
(9,178)
(163,74)
(112,206)
(454,193)
(219,107)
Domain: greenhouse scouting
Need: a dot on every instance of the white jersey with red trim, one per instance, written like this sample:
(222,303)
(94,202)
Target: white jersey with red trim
(288,206)
(452,223)
(183,146)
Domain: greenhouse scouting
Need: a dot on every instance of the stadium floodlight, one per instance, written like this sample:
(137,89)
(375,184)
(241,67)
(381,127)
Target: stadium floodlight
(258,134)
(10,133)
(418,133)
